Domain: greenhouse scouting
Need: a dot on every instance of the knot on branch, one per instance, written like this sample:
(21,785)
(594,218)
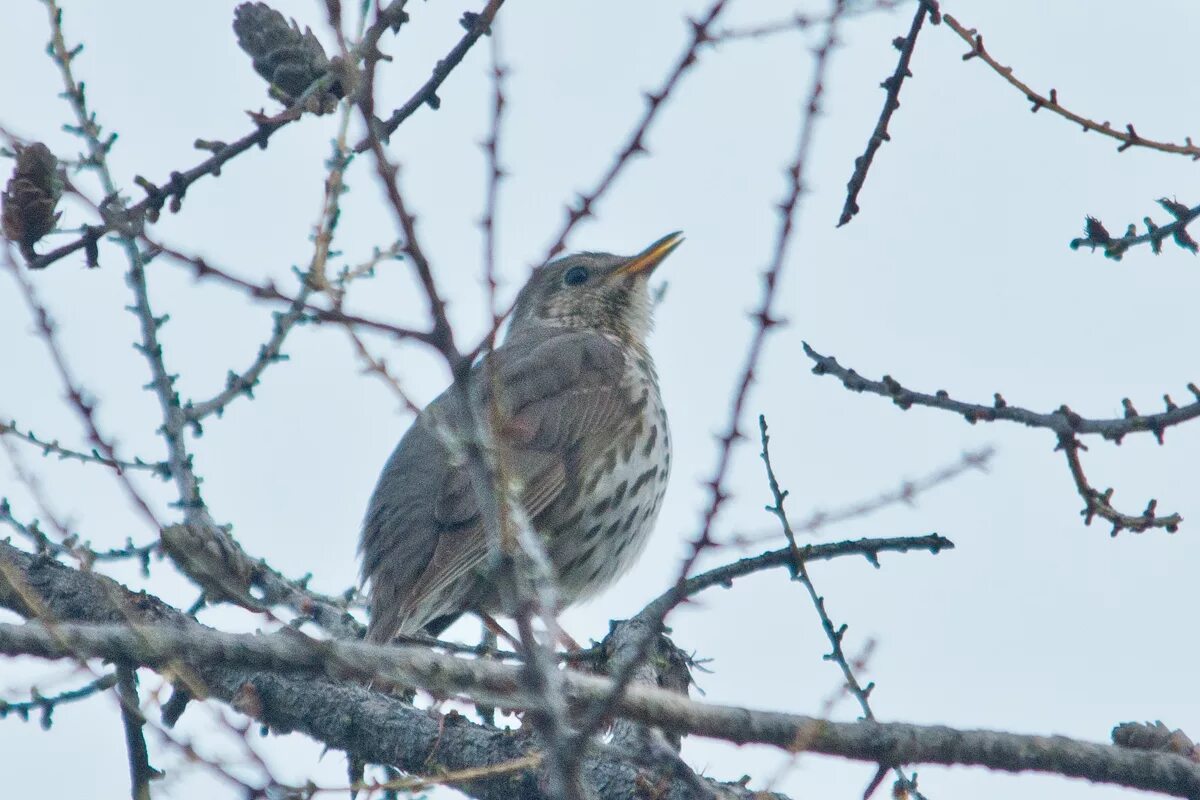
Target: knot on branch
(1097,236)
(666,667)
(209,555)
(31,196)
(1155,736)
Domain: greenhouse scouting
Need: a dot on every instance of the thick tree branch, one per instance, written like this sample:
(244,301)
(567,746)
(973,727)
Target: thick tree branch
(219,655)
(252,673)
(376,727)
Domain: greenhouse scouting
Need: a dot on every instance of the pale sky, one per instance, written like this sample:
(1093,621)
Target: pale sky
(955,276)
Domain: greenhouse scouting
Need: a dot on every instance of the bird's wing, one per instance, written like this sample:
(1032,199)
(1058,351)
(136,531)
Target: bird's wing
(423,537)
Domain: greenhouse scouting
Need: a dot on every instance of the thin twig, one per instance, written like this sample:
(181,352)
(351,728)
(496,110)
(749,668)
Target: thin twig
(765,323)
(238,384)
(76,395)
(724,575)
(1061,420)
(796,21)
(314,279)
(1128,138)
(140,771)
(265,126)
(268,291)
(45,704)
(73,545)
(891,102)
(441,334)
(635,144)
(375,365)
(480,24)
(160,468)
(1099,504)
(491,150)
(907,493)
(1095,234)
(833,633)
(1064,422)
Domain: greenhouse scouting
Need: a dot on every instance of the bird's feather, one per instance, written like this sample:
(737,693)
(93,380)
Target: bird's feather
(544,392)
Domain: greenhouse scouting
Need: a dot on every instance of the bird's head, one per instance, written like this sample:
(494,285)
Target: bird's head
(599,291)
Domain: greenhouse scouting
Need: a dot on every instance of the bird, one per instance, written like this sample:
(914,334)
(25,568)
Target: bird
(578,427)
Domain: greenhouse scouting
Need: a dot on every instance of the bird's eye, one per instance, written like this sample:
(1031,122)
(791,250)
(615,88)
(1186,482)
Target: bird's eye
(575,276)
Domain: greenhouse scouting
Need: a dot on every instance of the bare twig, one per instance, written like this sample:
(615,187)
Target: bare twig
(833,633)
(892,86)
(478,25)
(796,21)
(271,352)
(1099,504)
(906,493)
(174,188)
(491,150)
(268,291)
(1128,138)
(1095,234)
(160,468)
(724,575)
(45,704)
(312,279)
(74,545)
(1061,421)
(635,144)
(1064,422)
(375,365)
(140,771)
(765,323)
(76,395)
(441,334)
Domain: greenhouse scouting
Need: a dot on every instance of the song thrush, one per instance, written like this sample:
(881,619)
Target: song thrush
(578,424)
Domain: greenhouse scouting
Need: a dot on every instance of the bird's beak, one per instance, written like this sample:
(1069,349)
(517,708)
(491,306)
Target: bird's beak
(652,256)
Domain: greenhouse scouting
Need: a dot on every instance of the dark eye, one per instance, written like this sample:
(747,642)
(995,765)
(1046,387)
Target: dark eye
(575,276)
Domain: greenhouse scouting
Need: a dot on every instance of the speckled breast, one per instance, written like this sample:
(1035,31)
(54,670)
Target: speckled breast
(621,492)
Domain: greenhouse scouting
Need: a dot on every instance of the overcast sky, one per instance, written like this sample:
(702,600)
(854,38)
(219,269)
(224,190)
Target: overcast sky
(955,276)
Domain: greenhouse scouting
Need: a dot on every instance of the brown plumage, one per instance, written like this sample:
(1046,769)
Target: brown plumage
(578,424)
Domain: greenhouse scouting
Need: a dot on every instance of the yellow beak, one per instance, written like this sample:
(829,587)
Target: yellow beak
(652,256)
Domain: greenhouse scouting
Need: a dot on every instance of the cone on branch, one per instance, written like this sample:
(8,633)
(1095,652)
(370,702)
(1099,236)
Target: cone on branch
(290,60)
(31,196)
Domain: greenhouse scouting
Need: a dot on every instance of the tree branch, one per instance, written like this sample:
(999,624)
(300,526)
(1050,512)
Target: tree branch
(376,727)
(1064,422)
(305,705)
(891,102)
(159,468)
(835,634)
(1128,138)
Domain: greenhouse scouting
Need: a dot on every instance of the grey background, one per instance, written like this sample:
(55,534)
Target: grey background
(956,276)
